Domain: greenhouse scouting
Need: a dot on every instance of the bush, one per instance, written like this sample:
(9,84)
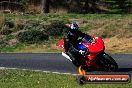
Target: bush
(32,36)
(32,24)
(5,31)
(6,27)
(27,25)
(2,21)
(3,41)
(55,28)
(19,25)
(8,23)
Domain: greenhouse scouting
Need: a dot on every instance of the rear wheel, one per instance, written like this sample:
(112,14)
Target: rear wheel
(108,62)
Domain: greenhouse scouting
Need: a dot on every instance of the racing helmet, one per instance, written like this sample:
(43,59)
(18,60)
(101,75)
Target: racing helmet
(74,26)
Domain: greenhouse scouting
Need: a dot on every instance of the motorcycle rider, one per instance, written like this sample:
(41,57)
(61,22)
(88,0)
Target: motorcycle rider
(72,35)
(71,42)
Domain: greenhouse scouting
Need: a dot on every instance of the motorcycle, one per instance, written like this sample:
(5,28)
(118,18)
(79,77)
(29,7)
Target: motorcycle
(91,55)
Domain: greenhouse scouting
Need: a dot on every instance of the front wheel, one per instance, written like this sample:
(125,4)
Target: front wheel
(108,63)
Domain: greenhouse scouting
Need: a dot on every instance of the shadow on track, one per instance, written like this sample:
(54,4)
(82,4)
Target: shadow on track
(104,70)
(124,69)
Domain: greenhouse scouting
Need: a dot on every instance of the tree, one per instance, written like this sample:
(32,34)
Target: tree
(45,6)
(86,6)
(123,5)
(119,6)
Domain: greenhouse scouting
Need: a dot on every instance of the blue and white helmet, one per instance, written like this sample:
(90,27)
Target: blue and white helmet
(74,25)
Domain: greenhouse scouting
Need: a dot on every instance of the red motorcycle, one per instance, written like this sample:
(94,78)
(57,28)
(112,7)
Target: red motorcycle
(92,55)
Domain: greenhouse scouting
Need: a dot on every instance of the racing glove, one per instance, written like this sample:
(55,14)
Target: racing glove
(84,52)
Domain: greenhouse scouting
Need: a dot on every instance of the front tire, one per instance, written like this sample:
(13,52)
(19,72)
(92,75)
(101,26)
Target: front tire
(108,63)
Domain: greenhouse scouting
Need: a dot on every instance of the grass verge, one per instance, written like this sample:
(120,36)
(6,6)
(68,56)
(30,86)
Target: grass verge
(32,79)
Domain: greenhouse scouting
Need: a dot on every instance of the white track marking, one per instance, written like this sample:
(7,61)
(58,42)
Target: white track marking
(2,68)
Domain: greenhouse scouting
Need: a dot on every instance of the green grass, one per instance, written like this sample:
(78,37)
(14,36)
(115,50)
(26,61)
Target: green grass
(66,16)
(13,48)
(31,79)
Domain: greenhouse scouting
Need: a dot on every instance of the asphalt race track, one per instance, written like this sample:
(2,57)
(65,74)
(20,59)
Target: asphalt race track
(55,62)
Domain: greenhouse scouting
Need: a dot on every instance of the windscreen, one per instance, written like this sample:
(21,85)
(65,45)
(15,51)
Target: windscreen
(87,39)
